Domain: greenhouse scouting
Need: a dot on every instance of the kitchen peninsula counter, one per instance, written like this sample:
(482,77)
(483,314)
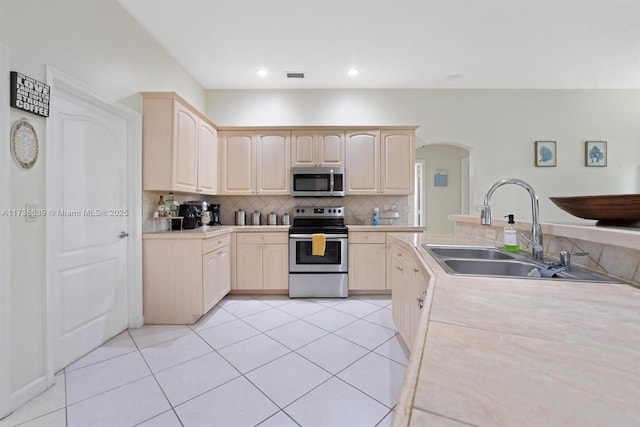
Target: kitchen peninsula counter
(503,351)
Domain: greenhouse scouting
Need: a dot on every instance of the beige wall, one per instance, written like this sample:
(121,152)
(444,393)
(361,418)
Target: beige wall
(499,127)
(98,43)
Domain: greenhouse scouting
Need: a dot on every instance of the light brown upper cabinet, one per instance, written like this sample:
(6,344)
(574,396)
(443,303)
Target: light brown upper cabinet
(255,162)
(380,162)
(363,162)
(317,148)
(397,155)
(179,146)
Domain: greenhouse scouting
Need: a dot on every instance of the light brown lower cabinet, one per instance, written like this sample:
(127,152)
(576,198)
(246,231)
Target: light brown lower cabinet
(184,278)
(410,283)
(262,261)
(367,261)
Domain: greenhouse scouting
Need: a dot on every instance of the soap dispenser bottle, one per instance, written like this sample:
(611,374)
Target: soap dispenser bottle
(511,236)
(376,216)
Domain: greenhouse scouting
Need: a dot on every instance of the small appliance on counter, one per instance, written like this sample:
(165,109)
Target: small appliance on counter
(191,215)
(210,214)
(215,214)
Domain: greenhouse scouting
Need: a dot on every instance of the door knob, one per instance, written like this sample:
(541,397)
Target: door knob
(123,234)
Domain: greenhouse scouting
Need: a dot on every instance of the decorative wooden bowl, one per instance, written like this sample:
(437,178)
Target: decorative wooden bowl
(616,210)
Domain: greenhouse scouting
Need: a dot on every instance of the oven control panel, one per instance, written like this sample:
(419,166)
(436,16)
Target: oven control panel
(319,212)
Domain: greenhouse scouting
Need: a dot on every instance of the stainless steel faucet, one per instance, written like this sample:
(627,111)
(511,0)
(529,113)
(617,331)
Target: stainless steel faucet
(537,249)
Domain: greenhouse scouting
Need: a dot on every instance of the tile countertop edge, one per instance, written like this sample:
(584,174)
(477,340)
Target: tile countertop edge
(388,228)
(616,236)
(213,231)
(412,393)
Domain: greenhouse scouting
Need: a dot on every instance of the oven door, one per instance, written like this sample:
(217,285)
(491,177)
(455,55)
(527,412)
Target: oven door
(333,261)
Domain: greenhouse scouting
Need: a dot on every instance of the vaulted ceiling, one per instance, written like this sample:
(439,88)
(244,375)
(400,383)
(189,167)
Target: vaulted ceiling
(400,43)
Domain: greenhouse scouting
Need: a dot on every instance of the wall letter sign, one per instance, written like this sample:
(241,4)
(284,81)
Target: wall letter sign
(29,94)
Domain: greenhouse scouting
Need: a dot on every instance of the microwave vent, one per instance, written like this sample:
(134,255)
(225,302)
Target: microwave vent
(295,75)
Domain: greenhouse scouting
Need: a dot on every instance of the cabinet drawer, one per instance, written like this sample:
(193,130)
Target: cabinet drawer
(214,243)
(367,237)
(401,254)
(253,238)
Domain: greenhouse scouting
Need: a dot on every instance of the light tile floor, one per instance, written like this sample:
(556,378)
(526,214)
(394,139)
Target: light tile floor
(263,360)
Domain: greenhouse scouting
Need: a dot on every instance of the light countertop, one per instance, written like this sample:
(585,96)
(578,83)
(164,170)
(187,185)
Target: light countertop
(388,228)
(502,351)
(213,231)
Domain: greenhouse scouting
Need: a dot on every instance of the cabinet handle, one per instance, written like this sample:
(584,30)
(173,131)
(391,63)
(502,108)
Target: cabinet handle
(198,190)
(420,303)
(415,270)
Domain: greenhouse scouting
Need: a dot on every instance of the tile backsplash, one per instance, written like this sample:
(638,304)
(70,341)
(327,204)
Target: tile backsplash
(358,209)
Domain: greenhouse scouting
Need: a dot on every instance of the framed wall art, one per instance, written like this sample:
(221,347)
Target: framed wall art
(595,153)
(545,153)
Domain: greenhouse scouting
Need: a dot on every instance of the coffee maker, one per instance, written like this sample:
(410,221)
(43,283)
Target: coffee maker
(215,214)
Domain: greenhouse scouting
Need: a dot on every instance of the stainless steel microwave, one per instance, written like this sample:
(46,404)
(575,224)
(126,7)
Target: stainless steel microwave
(317,181)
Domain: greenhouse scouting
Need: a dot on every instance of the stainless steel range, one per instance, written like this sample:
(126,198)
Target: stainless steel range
(318,275)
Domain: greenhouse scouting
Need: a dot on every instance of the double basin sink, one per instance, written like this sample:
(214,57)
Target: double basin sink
(492,261)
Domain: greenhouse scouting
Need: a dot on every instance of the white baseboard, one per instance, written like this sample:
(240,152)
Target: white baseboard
(28,392)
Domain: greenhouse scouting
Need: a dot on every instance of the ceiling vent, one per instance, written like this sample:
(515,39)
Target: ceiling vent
(295,75)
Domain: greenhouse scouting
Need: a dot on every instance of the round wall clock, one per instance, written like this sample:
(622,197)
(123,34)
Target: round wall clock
(24,144)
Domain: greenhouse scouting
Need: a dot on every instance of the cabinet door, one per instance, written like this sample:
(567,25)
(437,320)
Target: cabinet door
(331,148)
(223,282)
(185,149)
(420,284)
(207,158)
(249,267)
(275,266)
(157,144)
(367,266)
(397,295)
(237,163)
(172,280)
(210,270)
(216,276)
(397,155)
(304,146)
(362,163)
(273,163)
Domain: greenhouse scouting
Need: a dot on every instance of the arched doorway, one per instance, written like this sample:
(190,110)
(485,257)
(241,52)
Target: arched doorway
(445,188)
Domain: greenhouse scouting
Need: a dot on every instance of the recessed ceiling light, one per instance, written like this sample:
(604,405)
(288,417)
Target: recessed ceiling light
(353,72)
(262,72)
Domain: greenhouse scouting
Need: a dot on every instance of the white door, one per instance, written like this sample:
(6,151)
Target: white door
(86,215)
(5,300)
